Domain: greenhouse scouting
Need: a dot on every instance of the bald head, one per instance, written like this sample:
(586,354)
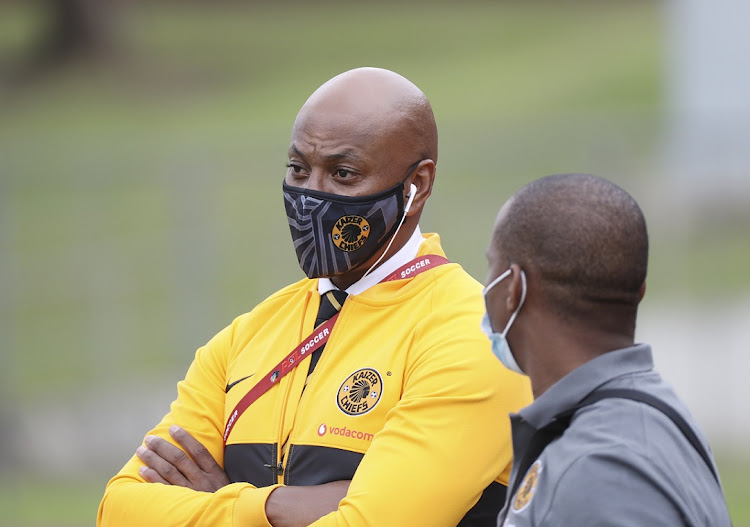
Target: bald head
(367,133)
(379,103)
(581,238)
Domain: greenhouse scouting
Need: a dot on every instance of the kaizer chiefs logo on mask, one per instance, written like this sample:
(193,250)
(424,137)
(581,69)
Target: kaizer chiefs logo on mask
(360,392)
(350,232)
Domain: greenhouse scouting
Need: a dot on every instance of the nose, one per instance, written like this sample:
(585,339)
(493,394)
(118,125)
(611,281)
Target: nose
(316,181)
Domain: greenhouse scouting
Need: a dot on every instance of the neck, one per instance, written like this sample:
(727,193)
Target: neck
(569,348)
(345,280)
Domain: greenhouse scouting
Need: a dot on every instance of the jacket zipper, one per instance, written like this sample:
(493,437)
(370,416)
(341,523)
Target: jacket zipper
(281,457)
(287,447)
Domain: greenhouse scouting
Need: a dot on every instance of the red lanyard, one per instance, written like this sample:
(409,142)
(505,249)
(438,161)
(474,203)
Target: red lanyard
(318,338)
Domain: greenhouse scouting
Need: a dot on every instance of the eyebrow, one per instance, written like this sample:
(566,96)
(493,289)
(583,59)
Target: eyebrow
(346,154)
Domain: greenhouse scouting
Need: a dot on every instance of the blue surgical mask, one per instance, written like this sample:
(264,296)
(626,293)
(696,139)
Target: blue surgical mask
(500,346)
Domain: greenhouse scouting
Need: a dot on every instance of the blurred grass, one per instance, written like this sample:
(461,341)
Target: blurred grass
(188,127)
(74,503)
(734,468)
(65,503)
(140,196)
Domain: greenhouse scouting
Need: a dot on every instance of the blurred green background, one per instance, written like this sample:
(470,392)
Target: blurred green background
(141,210)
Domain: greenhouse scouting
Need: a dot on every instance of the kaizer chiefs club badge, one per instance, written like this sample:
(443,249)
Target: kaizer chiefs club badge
(350,232)
(360,392)
(528,487)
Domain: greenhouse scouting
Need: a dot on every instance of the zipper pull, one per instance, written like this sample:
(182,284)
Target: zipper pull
(278,470)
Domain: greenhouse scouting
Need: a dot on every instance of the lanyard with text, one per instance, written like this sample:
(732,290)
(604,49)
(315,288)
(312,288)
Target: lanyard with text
(318,338)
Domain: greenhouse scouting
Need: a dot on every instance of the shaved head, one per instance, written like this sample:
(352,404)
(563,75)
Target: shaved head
(582,238)
(379,103)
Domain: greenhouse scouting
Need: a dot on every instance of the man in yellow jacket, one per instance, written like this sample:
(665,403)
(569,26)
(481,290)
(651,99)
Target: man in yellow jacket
(365,394)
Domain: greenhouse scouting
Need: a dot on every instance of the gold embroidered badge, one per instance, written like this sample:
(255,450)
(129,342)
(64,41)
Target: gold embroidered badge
(528,487)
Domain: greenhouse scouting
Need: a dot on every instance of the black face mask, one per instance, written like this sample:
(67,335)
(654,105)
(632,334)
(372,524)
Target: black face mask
(333,234)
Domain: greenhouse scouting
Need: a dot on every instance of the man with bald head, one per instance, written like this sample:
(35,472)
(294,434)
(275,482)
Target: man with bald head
(361,395)
(606,441)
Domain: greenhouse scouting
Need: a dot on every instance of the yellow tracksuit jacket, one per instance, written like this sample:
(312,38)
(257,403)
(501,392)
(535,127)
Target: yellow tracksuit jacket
(429,437)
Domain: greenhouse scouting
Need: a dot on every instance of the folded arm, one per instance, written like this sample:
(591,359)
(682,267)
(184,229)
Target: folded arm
(130,499)
(193,467)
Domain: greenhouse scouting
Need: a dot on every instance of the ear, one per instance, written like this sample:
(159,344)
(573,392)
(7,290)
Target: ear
(515,288)
(642,291)
(423,178)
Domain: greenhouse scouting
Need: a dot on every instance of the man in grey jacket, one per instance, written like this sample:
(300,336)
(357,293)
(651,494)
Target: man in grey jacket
(606,441)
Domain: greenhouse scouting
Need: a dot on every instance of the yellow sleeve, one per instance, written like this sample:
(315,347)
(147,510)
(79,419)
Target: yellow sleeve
(199,408)
(446,440)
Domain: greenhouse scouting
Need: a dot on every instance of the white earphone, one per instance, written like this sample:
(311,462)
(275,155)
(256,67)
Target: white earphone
(412,193)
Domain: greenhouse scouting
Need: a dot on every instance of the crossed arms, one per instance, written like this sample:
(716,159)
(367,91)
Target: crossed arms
(444,442)
(193,467)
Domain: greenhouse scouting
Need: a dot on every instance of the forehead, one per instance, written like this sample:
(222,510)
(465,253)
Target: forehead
(367,135)
(330,133)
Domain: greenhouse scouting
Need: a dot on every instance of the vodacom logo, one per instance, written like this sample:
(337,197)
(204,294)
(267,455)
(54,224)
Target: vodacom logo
(343,431)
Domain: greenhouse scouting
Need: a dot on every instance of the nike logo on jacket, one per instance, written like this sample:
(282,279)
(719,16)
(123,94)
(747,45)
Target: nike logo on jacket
(231,384)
